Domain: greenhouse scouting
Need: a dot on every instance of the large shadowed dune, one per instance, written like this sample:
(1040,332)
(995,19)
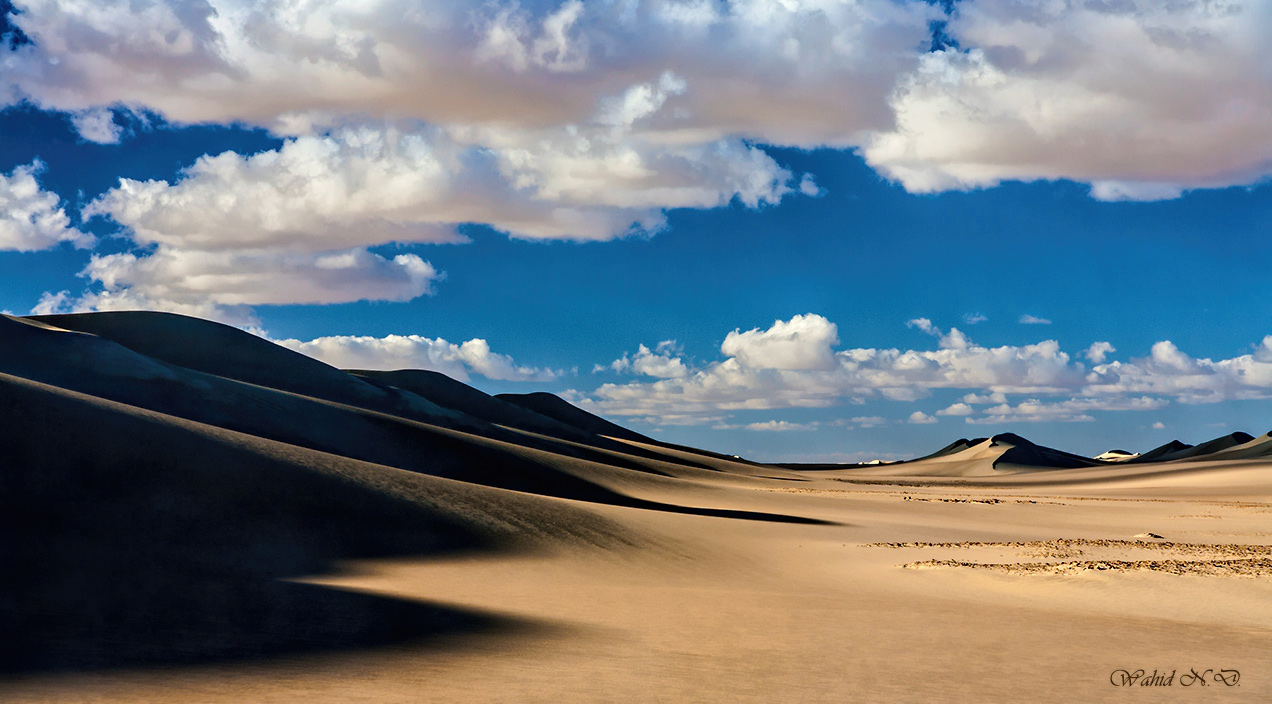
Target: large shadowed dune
(102,368)
(1208,448)
(220,350)
(479,453)
(456,395)
(136,537)
(558,409)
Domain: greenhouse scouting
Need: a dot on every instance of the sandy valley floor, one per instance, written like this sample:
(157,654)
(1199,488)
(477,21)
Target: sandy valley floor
(887,604)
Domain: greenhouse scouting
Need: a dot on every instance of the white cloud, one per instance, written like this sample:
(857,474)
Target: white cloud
(920,418)
(1168,371)
(803,342)
(31,218)
(801,73)
(1159,426)
(954,339)
(956,409)
(370,185)
(1071,410)
(924,325)
(362,187)
(1027,319)
(224,285)
(51,303)
(1099,351)
(990,375)
(417,352)
(793,365)
(779,426)
(996,397)
(97,125)
(1141,99)
(870,421)
(660,363)
(974,318)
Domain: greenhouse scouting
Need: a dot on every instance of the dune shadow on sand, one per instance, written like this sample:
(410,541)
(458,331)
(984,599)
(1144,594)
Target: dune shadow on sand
(129,542)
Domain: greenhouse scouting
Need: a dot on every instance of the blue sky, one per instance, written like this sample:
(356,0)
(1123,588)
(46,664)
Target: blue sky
(826,236)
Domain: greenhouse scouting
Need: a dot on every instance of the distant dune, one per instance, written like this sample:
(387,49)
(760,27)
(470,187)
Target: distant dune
(193,513)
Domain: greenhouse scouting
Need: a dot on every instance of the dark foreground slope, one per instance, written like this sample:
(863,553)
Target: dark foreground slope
(153,511)
(135,537)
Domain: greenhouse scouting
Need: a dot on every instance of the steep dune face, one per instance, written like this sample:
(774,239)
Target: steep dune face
(455,395)
(1157,453)
(1206,449)
(477,453)
(554,407)
(151,539)
(1025,455)
(220,350)
(1006,453)
(1259,447)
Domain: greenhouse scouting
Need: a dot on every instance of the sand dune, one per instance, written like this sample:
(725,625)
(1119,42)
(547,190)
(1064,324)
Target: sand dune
(553,407)
(195,514)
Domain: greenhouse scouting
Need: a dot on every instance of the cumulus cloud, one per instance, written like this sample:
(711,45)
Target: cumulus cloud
(974,318)
(956,409)
(1099,351)
(587,121)
(32,218)
(1141,99)
(97,125)
(1071,410)
(663,362)
(225,285)
(1169,371)
(417,352)
(366,186)
(803,342)
(779,426)
(793,364)
(370,185)
(920,418)
(803,73)
(1027,319)
(1056,387)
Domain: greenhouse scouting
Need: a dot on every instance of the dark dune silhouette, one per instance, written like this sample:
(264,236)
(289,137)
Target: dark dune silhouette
(1223,442)
(136,538)
(1023,453)
(456,395)
(556,408)
(1159,452)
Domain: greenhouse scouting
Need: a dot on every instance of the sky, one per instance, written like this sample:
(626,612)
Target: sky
(801,230)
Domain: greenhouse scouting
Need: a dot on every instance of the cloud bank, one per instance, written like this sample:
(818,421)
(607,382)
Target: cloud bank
(793,364)
(393,352)
(588,121)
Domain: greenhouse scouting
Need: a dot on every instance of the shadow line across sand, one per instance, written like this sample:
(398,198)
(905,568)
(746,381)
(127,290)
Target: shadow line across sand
(128,540)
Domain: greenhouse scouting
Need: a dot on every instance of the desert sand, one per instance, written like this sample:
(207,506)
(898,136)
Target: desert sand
(192,514)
